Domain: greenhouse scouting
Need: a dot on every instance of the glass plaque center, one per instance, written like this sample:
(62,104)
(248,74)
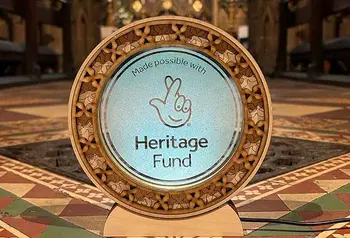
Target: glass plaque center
(171,116)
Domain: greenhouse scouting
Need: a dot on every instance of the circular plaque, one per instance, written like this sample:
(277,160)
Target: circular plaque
(170,117)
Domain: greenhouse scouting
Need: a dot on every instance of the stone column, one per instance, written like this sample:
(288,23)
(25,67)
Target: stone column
(68,67)
(31,51)
(316,38)
(282,38)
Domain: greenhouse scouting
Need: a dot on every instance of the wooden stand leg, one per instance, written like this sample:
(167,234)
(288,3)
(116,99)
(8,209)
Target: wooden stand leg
(221,222)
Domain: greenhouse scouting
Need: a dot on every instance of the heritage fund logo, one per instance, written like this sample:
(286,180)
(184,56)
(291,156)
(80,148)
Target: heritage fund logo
(175,109)
(145,122)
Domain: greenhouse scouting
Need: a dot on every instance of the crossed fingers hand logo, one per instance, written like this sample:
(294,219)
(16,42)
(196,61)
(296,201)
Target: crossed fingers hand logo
(175,109)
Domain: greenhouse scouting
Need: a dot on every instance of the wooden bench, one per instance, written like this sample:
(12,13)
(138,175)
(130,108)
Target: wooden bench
(336,55)
(12,59)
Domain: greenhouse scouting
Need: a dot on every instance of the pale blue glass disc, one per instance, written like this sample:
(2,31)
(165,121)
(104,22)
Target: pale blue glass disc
(171,116)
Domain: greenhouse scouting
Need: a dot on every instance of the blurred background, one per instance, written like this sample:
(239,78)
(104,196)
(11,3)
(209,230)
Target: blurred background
(302,46)
(49,39)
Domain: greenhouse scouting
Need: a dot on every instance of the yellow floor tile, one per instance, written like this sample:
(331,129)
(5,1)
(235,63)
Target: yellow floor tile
(294,201)
(43,111)
(95,223)
(331,185)
(294,110)
(52,205)
(19,189)
(346,171)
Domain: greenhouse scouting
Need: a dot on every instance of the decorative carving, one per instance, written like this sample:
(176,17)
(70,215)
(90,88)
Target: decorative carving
(136,195)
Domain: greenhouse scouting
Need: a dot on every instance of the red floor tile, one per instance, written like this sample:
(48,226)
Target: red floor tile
(80,208)
(4,201)
(336,174)
(304,187)
(269,203)
(13,178)
(40,191)
(343,231)
(321,216)
(337,114)
(6,234)
(15,116)
(31,227)
(344,197)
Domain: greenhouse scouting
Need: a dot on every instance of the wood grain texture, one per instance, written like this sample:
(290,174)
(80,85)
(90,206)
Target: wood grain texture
(125,189)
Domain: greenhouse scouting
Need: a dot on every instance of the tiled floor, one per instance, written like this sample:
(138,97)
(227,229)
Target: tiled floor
(37,203)
(51,203)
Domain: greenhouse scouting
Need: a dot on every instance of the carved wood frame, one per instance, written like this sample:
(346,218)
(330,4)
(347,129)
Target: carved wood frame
(131,193)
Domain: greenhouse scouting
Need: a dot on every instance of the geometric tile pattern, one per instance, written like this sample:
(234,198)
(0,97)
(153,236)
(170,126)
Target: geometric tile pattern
(27,218)
(287,180)
(34,113)
(311,135)
(31,131)
(81,205)
(310,111)
(299,197)
(56,182)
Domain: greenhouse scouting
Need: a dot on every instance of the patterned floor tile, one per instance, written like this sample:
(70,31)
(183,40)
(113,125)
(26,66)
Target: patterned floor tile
(344,189)
(6,234)
(344,197)
(331,185)
(15,116)
(270,203)
(62,229)
(94,224)
(31,226)
(32,221)
(341,101)
(312,216)
(336,114)
(12,178)
(304,187)
(346,171)
(51,111)
(341,233)
(267,191)
(338,228)
(4,128)
(328,202)
(284,230)
(294,201)
(311,135)
(335,176)
(19,189)
(20,207)
(52,205)
(80,208)
(15,132)
(7,231)
(40,191)
(33,101)
(6,194)
(5,201)
(282,109)
(250,226)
